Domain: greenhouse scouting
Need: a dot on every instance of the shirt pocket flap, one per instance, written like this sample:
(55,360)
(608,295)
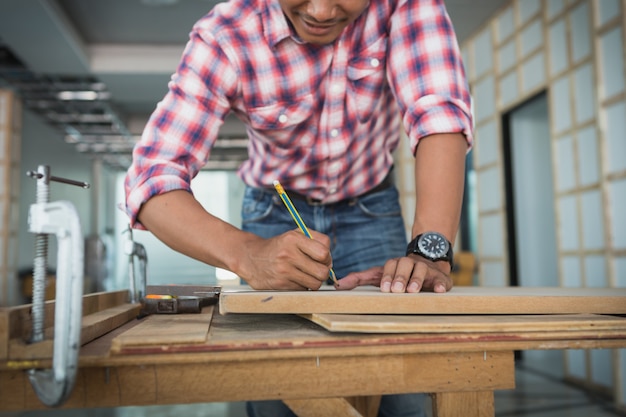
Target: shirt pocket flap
(369,61)
(361,67)
(281,115)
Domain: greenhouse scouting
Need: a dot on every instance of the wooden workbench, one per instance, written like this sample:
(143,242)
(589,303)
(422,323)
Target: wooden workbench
(285,356)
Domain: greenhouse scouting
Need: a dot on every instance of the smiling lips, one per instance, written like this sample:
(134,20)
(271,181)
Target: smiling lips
(317,29)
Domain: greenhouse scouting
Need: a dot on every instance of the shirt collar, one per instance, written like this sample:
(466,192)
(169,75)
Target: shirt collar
(276,26)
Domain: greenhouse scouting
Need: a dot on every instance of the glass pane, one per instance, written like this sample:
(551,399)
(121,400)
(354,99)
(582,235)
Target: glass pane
(612,63)
(617,199)
(531,38)
(602,367)
(593,220)
(595,272)
(487,143)
(584,92)
(483,52)
(491,235)
(570,268)
(568,223)
(506,56)
(533,72)
(554,7)
(493,274)
(589,169)
(620,281)
(576,363)
(607,10)
(484,94)
(565,167)
(616,143)
(489,189)
(506,24)
(561,113)
(579,26)
(527,9)
(558,47)
(509,89)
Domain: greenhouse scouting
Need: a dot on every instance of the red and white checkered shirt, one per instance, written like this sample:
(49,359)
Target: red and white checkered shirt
(322,119)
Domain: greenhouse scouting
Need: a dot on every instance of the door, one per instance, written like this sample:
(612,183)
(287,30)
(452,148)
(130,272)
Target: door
(531,211)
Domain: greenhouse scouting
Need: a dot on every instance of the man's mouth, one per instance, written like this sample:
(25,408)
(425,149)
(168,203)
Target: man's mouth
(318,28)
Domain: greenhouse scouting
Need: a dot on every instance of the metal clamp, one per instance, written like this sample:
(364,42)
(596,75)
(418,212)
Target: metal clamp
(53,386)
(136,250)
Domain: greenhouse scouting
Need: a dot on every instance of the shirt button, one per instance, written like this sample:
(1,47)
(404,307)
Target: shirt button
(375,62)
(282,118)
(334,133)
(336,88)
(333,190)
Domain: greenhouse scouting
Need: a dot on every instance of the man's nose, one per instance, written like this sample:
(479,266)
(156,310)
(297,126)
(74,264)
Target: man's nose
(321,10)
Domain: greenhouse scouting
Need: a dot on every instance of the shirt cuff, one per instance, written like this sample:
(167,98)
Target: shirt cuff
(436,114)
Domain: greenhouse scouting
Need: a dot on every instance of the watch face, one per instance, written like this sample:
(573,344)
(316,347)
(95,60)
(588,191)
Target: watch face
(433,245)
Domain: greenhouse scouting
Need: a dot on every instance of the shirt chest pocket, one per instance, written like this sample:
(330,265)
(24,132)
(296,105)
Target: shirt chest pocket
(366,79)
(284,124)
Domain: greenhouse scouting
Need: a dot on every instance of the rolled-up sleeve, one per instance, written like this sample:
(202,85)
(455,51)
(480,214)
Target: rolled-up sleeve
(177,140)
(426,72)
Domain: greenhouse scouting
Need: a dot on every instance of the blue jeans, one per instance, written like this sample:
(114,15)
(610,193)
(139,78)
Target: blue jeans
(364,232)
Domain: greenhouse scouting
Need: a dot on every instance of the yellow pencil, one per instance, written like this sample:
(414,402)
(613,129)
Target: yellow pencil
(296,218)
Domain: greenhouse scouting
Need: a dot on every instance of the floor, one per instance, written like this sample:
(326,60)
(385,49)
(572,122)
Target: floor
(536,395)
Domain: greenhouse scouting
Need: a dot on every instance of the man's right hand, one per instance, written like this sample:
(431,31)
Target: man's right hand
(290,261)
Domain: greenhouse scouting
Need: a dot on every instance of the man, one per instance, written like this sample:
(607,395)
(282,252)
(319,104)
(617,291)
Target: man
(324,88)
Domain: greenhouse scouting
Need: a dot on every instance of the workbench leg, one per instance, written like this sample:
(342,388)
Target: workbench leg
(463,404)
(323,407)
(366,405)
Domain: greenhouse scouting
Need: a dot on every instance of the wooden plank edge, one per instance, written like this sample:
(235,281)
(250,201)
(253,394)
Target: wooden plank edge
(93,326)
(19,317)
(327,302)
(120,344)
(556,322)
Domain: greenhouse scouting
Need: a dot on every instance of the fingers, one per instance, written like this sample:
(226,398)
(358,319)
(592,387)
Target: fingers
(290,261)
(370,276)
(414,274)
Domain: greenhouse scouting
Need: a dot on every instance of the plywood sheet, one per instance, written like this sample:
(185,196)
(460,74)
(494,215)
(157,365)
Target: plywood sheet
(370,323)
(166,329)
(460,300)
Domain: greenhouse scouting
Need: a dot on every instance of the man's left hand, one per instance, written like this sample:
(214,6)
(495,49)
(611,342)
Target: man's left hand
(406,274)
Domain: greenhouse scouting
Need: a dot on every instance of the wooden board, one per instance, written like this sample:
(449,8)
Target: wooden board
(460,300)
(365,323)
(101,312)
(166,329)
(93,326)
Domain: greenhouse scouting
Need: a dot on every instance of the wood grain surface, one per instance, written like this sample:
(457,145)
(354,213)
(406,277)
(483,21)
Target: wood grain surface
(167,329)
(460,300)
(391,323)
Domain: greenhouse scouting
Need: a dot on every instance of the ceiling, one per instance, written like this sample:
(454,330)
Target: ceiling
(120,54)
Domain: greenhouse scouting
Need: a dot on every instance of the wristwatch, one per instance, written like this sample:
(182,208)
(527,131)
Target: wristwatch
(432,246)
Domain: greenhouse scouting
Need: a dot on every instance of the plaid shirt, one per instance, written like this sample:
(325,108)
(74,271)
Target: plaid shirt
(324,120)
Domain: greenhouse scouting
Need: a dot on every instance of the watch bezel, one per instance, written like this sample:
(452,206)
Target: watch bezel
(415,248)
(441,254)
